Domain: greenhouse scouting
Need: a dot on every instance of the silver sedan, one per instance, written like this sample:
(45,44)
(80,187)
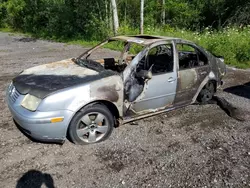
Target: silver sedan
(86,97)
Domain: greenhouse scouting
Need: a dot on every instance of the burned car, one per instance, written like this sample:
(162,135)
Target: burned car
(86,97)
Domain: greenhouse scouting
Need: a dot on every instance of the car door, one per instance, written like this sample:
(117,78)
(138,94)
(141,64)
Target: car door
(193,67)
(160,90)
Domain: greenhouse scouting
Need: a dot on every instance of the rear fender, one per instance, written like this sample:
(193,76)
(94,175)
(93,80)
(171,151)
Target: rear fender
(208,78)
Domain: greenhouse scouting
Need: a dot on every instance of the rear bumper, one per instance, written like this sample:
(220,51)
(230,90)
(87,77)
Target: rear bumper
(38,124)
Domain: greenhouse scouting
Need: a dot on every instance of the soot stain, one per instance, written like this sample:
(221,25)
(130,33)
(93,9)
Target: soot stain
(43,85)
(109,92)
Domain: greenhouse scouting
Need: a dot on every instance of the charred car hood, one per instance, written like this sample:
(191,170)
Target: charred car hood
(43,80)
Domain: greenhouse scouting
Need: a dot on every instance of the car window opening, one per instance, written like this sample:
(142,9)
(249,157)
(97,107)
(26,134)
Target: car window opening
(190,57)
(159,60)
(117,61)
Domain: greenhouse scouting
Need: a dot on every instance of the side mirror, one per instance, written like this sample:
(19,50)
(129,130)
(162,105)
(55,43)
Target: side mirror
(144,74)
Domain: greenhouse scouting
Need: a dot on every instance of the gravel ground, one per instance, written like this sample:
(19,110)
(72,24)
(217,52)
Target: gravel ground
(197,146)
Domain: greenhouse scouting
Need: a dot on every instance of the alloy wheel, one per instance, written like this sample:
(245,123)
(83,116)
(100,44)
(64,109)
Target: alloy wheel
(92,127)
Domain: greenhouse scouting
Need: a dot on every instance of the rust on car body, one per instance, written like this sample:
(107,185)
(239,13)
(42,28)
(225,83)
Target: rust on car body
(64,63)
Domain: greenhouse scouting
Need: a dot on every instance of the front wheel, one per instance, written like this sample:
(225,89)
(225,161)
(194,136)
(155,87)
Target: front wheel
(207,93)
(94,123)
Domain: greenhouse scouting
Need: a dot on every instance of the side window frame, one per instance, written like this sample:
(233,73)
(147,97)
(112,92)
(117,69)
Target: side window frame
(197,51)
(204,54)
(172,45)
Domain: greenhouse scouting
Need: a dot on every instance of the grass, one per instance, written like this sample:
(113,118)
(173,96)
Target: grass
(83,42)
(13,32)
(232,43)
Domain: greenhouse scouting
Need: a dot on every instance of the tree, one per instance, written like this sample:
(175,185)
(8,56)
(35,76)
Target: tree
(142,17)
(3,12)
(163,13)
(115,16)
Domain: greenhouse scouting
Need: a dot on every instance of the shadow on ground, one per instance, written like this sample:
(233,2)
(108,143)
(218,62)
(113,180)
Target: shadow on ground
(240,90)
(35,179)
(230,109)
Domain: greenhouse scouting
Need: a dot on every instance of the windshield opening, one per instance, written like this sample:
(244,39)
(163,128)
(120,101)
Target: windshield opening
(113,55)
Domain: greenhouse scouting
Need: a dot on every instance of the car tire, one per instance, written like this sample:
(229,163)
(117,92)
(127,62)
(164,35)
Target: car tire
(207,93)
(93,124)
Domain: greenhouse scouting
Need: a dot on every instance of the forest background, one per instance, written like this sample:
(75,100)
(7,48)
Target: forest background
(220,26)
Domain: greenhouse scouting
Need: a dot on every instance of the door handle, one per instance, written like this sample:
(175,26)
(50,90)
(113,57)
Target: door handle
(171,79)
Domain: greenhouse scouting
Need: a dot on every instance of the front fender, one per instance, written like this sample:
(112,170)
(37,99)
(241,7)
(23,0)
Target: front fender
(68,99)
(109,89)
(106,89)
(73,99)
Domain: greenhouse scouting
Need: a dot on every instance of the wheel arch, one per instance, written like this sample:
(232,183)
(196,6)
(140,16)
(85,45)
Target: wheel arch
(205,81)
(107,104)
(214,83)
(111,106)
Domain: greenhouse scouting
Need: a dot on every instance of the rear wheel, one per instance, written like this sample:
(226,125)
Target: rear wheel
(207,93)
(94,123)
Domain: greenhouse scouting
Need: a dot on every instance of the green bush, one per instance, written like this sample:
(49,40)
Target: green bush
(61,19)
(86,21)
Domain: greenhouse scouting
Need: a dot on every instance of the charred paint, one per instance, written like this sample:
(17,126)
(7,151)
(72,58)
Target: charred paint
(108,93)
(109,89)
(142,39)
(43,85)
(64,67)
(186,86)
(45,79)
(64,63)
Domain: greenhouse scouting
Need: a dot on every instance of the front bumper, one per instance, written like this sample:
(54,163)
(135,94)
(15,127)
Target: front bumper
(37,124)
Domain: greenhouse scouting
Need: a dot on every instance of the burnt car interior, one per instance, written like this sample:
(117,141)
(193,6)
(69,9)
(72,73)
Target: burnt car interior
(190,57)
(118,61)
(159,60)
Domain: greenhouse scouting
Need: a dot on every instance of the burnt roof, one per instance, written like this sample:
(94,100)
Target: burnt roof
(142,39)
(146,36)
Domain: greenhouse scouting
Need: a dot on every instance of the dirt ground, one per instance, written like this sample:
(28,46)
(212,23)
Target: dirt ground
(197,146)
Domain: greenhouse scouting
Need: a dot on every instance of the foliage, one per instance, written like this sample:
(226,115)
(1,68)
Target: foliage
(91,19)
(58,18)
(221,26)
(3,13)
(231,43)
(182,14)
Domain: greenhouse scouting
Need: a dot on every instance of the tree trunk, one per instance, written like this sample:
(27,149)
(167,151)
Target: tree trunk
(163,13)
(106,12)
(115,16)
(110,14)
(142,17)
(125,13)
(99,10)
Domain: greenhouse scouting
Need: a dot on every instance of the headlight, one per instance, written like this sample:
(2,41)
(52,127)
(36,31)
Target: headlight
(30,102)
